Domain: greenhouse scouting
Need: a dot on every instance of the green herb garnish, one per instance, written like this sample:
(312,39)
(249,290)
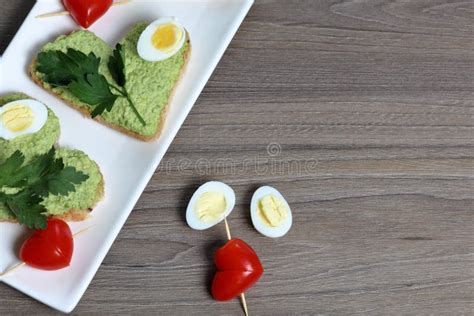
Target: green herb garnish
(28,185)
(117,70)
(117,66)
(79,73)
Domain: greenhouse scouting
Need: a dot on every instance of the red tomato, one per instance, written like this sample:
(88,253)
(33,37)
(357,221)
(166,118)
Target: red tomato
(238,269)
(49,249)
(86,12)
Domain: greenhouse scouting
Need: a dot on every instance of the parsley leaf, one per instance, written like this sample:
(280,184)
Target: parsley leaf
(63,181)
(25,205)
(117,69)
(79,73)
(116,65)
(94,90)
(60,69)
(42,176)
(9,175)
(48,175)
(34,171)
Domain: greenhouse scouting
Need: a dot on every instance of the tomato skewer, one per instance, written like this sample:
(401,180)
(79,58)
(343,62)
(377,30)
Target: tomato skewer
(238,269)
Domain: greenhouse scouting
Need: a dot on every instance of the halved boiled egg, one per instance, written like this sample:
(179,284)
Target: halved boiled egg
(209,205)
(22,117)
(161,40)
(270,212)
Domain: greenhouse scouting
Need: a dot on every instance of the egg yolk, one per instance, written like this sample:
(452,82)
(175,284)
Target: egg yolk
(211,206)
(166,37)
(17,118)
(272,210)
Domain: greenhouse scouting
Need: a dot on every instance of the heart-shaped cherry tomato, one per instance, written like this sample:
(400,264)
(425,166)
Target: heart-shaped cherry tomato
(86,12)
(238,268)
(49,249)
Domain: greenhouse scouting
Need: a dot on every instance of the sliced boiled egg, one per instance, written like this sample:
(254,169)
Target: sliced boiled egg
(270,212)
(161,39)
(209,205)
(22,117)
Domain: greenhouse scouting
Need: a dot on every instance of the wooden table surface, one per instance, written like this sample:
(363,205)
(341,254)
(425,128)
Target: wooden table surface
(361,114)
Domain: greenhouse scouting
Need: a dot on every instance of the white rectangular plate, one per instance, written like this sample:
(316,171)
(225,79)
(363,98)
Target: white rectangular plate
(127,164)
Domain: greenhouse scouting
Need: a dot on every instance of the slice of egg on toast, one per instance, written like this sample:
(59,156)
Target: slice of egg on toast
(161,39)
(22,117)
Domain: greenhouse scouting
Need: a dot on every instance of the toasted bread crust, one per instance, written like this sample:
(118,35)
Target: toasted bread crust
(85,112)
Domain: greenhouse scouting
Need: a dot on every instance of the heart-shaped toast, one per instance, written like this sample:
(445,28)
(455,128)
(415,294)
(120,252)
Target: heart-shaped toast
(238,268)
(86,12)
(49,249)
(149,85)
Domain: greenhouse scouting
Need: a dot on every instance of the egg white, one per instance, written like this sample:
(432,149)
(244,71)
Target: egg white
(40,113)
(145,47)
(273,232)
(212,186)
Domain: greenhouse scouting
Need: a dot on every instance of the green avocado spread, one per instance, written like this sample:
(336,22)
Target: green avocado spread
(86,193)
(149,84)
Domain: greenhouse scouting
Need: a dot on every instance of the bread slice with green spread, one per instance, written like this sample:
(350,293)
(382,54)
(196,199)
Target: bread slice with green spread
(149,85)
(73,206)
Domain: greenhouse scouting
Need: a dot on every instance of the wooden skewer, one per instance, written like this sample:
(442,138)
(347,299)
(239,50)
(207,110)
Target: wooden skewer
(227,229)
(63,13)
(242,296)
(81,232)
(14,268)
(21,264)
(244,304)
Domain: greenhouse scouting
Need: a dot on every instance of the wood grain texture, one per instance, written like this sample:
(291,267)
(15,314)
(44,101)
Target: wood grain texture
(366,109)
